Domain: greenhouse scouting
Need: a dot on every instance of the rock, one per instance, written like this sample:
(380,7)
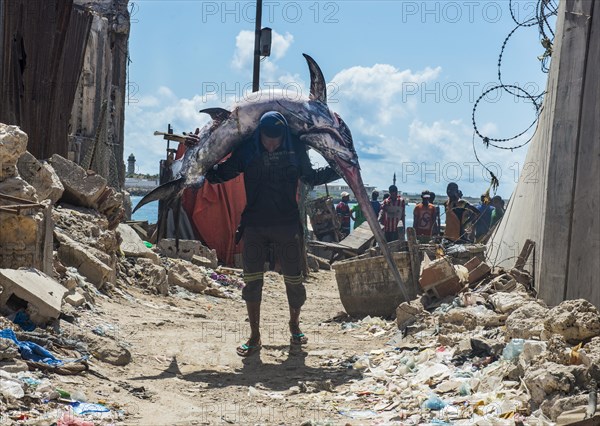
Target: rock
(13,366)
(133,246)
(41,176)
(554,407)
(482,346)
(106,350)
(532,349)
(152,276)
(439,279)
(313,264)
(575,320)
(187,249)
(508,302)
(72,253)
(42,294)
(18,187)
(526,322)
(549,378)
(75,299)
(188,276)
(81,189)
(558,350)
(590,356)
(13,143)
(408,313)
(8,349)
(202,261)
(472,317)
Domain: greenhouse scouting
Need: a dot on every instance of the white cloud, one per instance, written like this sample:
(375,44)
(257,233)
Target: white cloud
(243,55)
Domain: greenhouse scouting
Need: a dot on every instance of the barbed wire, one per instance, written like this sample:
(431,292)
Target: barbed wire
(544,10)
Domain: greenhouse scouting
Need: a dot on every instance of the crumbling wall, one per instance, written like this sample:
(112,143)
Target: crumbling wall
(97,117)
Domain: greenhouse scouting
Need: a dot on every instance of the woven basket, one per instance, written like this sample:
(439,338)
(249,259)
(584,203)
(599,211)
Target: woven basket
(367,286)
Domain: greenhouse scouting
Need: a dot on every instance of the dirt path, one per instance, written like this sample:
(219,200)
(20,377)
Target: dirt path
(185,365)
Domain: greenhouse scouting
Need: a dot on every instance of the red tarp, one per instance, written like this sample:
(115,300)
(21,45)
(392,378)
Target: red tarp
(215,212)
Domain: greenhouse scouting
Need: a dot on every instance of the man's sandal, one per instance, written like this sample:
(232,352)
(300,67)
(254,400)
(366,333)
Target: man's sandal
(246,350)
(298,339)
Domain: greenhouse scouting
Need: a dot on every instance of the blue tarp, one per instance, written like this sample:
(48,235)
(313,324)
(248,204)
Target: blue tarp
(31,351)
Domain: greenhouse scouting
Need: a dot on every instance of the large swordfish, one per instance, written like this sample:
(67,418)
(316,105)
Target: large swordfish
(310,119)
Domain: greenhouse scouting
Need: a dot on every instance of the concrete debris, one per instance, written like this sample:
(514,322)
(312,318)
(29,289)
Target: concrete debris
(107,350)
(527,322)
(144,273)
(32,291)
(81,188)
(478,269)
(186,275)
(408,313)
(187,249)
(75,299)
(504,282)
(133,246)
(575,320)
(506,303)
(439,279)
(41,176)
(548,379)
(8,349)
(86,260)
(13,143)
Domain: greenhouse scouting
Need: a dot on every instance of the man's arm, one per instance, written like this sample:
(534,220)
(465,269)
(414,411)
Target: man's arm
(226,170)
(310,176)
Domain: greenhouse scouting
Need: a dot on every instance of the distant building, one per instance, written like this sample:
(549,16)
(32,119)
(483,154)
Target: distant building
(130,165)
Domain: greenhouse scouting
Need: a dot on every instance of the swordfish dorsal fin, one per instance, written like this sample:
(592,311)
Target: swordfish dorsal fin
(217,114)
(318,86)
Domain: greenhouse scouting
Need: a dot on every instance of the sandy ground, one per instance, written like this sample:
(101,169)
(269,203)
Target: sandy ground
(185,369)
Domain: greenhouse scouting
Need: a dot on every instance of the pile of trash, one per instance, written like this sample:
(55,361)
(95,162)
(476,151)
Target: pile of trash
(491,353)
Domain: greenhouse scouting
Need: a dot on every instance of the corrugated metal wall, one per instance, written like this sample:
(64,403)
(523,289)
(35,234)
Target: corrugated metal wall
(42,46)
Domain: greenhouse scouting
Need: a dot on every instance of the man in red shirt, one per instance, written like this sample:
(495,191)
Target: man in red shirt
(343,212)
(393,211)
(424,216)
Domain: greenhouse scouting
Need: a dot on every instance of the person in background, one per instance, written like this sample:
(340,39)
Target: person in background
(437,222)
(357,216)
(484,221)
(424,218)
(272,161)
(393,210)
(459,214)
(375,202)
(343,212)
(498,204)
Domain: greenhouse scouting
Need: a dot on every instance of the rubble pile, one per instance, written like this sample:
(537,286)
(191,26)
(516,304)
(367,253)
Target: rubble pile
(481,357)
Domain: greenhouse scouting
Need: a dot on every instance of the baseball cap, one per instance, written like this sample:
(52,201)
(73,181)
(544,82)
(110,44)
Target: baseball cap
(345,194)
(272,124)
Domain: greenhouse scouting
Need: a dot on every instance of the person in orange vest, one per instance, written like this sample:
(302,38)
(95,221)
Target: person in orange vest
(424,218)
(393,210)
(459,214)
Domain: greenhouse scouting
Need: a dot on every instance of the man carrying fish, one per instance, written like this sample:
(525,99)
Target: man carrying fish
(272,161)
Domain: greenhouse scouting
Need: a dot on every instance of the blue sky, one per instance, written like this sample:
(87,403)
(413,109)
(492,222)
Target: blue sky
(403,74)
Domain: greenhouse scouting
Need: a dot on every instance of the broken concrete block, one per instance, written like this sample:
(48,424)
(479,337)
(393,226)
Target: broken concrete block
(477,269)
(547,379)
(503,282)
(133,246)
(188,276)
(590,357)
(526,322)
(41,176)
(575,320)
(187,249)
(75,299)
(81,189)
(532,349)
(439,279)
(506,303)
(33,290)
(18,187)
(13,143)
(522,277)
(152,276)
(72,253)
(408,313)
(13,366)
(107,350)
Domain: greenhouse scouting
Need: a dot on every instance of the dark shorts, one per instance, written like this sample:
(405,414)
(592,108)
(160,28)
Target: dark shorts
(286,241)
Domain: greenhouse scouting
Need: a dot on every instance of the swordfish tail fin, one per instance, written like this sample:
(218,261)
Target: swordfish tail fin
(168,192)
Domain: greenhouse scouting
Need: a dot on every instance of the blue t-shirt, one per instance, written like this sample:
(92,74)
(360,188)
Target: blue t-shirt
(376,206)
(485,219)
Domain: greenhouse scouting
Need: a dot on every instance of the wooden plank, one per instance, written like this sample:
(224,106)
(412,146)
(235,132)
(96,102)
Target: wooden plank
(415,261)
(584,266)
(558,209)
(359,239)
